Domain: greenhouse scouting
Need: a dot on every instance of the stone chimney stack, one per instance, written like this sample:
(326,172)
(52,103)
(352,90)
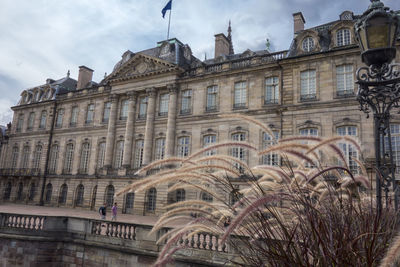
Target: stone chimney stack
(298,22)
(221,45)
(85,76)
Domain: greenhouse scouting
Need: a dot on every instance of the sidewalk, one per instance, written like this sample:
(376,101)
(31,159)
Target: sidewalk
(71,212)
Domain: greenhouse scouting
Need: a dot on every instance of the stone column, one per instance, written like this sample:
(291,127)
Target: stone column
(171,124)
(129,130)
(111,132)
(149,131)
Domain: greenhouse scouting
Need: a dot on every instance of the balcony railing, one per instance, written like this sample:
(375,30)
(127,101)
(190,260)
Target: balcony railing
(308,97)
(20,172)
(211,108)
(270,101)
(239,105)
(344,93)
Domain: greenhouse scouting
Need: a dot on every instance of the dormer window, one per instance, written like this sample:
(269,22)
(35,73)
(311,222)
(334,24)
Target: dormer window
(308,44)
(343,37)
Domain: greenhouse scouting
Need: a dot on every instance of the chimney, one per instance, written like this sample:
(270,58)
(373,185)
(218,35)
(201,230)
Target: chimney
(221,45)
(298,22)
(85,76)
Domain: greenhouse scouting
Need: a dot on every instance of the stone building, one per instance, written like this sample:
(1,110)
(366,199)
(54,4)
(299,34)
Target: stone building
(75,143)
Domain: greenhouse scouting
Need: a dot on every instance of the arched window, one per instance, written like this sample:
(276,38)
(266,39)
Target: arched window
(62,198)
(94,194)
(183,146)
(36,157)
(80,190)
(160,148)
(69,155)
(308,44)
(26,151)
(343,37)
(210,140)
(119,155)
(206,197)
(151,198)
(20,122)
(176,196)
(349,151)
(109,196)
(31,120)
(139,154)
(53,159)
(32,191)
(124,109)
(271,159)
(7,191)
(84,164)
(129,200)
(49,192)
(14,157)
(20,191)
(101,155)
(239,152)
(59,120)
(43,118)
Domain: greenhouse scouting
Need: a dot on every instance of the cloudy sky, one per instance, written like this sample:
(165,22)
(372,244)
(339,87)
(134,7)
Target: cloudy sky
(44,39)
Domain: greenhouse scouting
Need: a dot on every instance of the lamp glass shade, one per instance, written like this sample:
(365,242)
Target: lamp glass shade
(378,33)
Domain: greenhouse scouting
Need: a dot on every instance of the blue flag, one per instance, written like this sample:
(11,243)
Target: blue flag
(168,6)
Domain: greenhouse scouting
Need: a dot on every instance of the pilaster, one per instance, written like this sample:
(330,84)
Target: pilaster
(149,130)
(129,130)
(111,131)
(171,124)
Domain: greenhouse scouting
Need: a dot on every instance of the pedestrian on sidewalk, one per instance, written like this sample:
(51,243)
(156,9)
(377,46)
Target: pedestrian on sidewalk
(114,212)
(102,211)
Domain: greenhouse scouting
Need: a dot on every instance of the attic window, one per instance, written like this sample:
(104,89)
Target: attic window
(343,37)
(308,44)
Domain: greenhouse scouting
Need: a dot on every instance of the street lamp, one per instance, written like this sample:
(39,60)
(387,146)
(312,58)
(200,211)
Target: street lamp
(379,87)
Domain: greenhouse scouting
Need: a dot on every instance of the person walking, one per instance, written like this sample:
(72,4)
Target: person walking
(103,211)
(114,212)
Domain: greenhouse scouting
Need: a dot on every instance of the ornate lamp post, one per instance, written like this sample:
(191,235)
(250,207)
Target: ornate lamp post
(379,87)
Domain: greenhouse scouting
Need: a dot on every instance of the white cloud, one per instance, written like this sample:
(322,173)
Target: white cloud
(43,39)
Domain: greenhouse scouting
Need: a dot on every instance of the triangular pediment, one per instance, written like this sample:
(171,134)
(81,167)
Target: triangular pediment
(141,66)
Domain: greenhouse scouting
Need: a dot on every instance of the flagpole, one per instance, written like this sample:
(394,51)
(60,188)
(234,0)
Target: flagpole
(169,22)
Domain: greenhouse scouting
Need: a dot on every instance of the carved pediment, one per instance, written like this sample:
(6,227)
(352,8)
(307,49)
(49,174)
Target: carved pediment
(141,66)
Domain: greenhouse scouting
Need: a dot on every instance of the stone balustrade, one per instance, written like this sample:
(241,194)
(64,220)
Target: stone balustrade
(133,239)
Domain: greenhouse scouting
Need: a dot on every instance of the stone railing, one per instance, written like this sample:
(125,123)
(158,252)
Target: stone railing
(124,234)
(240,63)
(31,222)
(20,172)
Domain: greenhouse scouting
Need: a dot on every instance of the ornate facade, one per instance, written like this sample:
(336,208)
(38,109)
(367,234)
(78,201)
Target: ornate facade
(75,143)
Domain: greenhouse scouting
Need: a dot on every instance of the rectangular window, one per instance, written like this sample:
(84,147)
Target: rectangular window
(14,157)
(271,90)
(183,146)
(271,159)
(106,112)
(90,114)
(186,107)
(240,95)
(59,120)
(43,118)
(101,155)
(84,164)
(308,85)
(212,97)
(119,155)
(37,157)
(345,81)
(20,123)
(31,120)
(25,157)
(142,107)
(160,148)
(124,109)
(164,99)
(74,116)
(395,142)
(53,159)
(139,154)
(69,156)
